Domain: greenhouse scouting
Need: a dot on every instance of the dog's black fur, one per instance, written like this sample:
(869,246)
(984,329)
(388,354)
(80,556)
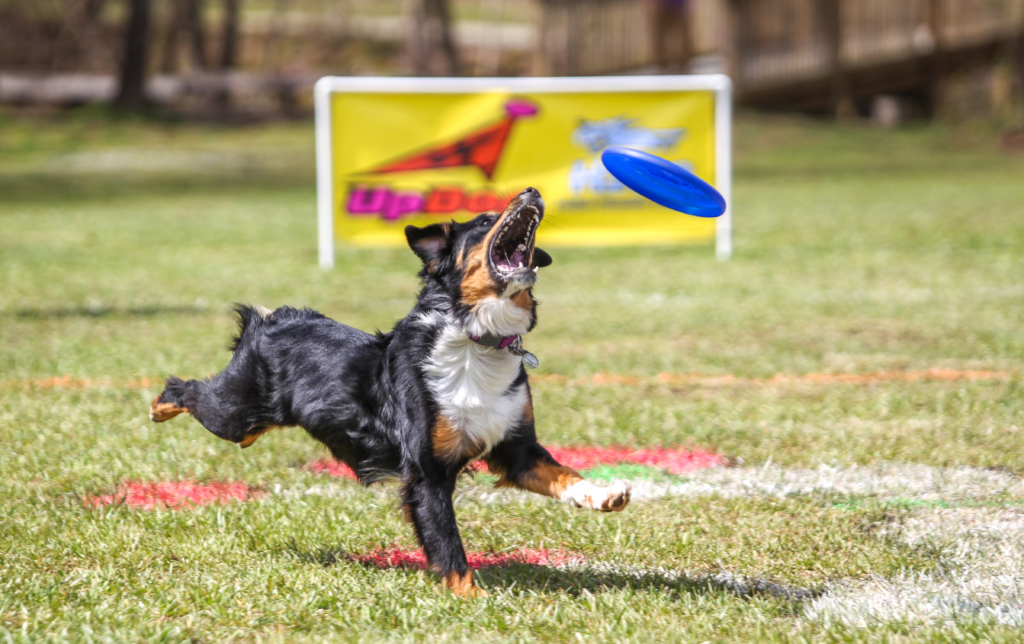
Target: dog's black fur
(366,397)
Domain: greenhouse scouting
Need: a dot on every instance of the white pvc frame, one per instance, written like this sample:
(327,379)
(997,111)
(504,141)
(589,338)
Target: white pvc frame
(720,84)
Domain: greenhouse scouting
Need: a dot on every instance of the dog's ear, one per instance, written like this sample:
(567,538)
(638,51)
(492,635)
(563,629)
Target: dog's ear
(540,258)
(430,243)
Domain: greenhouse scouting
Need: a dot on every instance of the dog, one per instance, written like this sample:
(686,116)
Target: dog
(445,387)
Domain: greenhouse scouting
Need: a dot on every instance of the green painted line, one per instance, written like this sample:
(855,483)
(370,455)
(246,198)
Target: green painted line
(626,471)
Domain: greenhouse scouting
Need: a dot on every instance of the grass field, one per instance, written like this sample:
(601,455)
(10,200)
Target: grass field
(858,364)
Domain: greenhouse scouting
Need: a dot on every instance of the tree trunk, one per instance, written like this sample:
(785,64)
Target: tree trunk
(229,53)
(431,22)
(443,16)
(93,9)
(172,29)
(192,27)
(1018,62)
(131,92)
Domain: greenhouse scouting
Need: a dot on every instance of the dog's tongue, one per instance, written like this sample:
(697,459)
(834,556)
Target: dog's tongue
(518,258)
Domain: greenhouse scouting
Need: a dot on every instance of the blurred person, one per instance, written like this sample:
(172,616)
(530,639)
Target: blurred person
(672,40)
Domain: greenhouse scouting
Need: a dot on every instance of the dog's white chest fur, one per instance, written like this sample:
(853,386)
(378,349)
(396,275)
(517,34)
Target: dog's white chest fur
(472,384)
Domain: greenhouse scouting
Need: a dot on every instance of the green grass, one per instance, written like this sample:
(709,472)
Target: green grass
(123,243)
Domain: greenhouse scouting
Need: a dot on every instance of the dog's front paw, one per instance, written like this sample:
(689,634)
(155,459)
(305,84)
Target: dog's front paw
(584,494)
(616,497)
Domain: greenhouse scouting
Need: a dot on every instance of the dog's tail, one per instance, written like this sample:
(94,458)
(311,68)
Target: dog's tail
(173,400)
(250,319)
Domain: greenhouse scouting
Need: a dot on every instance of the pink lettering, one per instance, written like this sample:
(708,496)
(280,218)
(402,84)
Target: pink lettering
(367,201)
(402,203)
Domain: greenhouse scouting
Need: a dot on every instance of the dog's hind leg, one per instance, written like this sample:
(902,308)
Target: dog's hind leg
(221,405)
(232,404)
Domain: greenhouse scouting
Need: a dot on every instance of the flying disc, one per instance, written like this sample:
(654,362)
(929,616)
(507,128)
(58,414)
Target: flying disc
(663,182)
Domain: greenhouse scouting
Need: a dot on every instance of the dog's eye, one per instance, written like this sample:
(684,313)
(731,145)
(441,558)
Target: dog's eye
(486,221)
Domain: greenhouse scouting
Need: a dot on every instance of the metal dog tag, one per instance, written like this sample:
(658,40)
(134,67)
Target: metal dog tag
(517,349)
(530,360)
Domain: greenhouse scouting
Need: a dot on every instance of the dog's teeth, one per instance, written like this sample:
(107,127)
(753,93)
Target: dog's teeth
(535,269)
(521,247)
(520,264)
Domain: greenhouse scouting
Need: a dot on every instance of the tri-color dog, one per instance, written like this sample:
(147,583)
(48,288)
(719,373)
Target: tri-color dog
(445,387)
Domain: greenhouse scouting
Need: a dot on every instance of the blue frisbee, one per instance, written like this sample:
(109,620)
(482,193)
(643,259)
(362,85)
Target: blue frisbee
(663,182)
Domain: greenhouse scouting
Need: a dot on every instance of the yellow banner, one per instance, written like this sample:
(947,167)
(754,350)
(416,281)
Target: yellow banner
(418,158)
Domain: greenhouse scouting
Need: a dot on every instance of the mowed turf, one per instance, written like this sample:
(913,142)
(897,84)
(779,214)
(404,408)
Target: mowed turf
(123,244)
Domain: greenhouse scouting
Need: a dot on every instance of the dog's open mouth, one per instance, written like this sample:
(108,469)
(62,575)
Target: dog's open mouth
(512,247)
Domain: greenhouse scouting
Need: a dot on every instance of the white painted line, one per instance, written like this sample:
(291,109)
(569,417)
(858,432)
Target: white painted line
(981,578)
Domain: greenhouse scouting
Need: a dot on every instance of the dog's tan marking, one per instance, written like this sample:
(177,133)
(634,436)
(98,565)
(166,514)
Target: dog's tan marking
(451,444)
(462,585)
(566,484)
(523,300)
(544,478)
(263,311)
(528,410)
(254,435)
(161,411)
(478,284)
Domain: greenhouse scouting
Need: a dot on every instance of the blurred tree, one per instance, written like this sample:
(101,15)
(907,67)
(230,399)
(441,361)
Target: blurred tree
(92,10)
(169,58)
(432,26)
(183,23)
(229,40)
(192,24)
(131,91)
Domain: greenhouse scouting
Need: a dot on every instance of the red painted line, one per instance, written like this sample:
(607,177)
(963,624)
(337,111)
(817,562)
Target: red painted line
(67,382)
(177,495)
(675,460)
(609,379)
(333,467)
(400,558)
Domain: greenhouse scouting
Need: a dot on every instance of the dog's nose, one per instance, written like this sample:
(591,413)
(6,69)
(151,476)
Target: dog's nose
(531,192)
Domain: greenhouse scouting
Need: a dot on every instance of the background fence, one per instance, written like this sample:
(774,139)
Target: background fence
(805,54)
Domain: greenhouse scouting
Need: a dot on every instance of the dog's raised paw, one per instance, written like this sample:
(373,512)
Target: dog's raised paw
(616,497)
(584,494)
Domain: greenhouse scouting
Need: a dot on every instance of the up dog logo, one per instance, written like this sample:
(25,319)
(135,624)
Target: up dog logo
(589,175)
(481,148)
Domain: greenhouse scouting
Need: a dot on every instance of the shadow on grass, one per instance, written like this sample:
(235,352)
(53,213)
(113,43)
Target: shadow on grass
(576,579)
(29,188)
(87,311)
